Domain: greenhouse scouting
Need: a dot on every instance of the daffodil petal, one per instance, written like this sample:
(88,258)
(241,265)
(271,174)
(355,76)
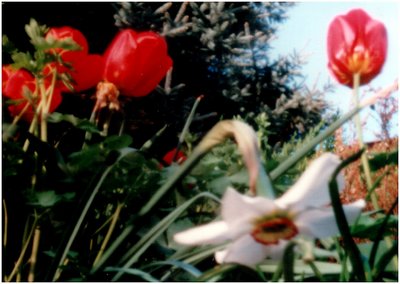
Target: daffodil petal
(312,190)
(212,233)
(321,223)
(245,251)
(238,209)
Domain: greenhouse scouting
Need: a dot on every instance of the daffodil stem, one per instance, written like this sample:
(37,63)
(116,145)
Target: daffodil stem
(288,262)
(341,221)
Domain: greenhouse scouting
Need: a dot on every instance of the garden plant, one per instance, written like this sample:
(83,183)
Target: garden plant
(182,152)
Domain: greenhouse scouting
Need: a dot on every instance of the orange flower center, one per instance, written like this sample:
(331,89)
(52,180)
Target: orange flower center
(359,62)
(271,229)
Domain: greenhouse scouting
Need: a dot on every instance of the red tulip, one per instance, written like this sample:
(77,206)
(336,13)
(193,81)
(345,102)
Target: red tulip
(14,89)
(168,158)
(86,68)
(357,44)
(75,35)
(136,62)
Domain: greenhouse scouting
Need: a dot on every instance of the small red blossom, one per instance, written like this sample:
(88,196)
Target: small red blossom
(21,82)
(169,157)
(357,44)
(136,62)
(85,69)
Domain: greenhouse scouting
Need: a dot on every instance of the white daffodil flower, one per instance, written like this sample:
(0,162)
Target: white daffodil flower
(259,227)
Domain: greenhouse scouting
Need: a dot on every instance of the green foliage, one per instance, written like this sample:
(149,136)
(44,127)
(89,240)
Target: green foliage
(380,160)
(368,227)
(108,212)
(83,124)
(36,61)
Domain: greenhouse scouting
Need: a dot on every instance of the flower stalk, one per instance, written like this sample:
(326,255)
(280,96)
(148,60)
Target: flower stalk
(364,159)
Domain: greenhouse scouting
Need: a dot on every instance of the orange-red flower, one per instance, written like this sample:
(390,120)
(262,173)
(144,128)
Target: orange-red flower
(136,62)
(86,69)
(357,44)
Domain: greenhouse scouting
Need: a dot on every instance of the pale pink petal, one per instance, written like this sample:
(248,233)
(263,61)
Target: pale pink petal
(321,222)
(238,209)
(245,251)
(312,189)
(212,233)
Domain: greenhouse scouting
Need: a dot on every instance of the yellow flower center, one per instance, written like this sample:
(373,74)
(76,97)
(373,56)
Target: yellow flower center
(272,228)
(359,62)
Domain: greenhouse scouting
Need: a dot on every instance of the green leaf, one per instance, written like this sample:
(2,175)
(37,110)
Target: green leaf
(85,158)
(214,274)
(66,247)
(341,221)
(299,154)
(46,198)
(117,142)
(50,43)
(366,248)
(8,46)
(385,261)
(9,131)
(83,124)
(381,160)
(183,265)
(132,256)
(36,32)
(300,267)
(137,272)
(367,227)
(23,60)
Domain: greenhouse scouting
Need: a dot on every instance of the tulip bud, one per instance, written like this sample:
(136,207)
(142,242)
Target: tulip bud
(357,44)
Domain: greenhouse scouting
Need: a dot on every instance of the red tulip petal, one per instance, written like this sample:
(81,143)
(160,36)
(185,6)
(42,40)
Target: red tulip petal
(356,44)
(136,62)
(75,35)
(14,90)
(87,72)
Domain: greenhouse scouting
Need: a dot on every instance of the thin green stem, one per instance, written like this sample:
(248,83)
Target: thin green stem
(23,251)
(293,159)
(185,129)
(364,159)
(316,271)
(109,232)
(218,270)
(5,224)
(85,210)
(43,114)
(33,258)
